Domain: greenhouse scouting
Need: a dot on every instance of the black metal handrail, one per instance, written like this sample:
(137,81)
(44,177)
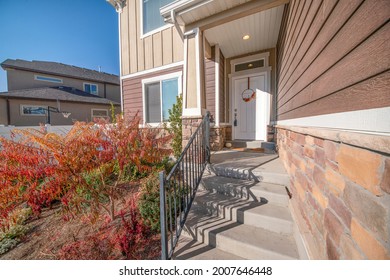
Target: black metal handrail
(177,190)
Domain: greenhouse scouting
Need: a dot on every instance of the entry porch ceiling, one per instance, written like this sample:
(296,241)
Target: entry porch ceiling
(225,22)
(262,28)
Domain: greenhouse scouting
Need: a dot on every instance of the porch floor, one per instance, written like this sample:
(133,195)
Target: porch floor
(241,211)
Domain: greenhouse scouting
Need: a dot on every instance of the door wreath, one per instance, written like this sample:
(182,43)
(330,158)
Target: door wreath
(248,94)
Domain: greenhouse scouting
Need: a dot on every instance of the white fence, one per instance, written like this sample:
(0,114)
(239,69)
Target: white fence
(5,131)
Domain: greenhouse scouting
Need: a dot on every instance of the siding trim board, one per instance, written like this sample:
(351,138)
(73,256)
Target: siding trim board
(370,120)
(153,70)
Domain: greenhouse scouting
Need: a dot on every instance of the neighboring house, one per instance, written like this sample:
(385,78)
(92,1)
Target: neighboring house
(318,76)
(26,107)
(35,85)
(22,74)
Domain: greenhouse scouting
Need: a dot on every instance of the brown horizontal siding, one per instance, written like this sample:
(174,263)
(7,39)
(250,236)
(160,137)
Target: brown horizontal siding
(330,26)
(343,49)
(210,83)
(132,90)
(367,94)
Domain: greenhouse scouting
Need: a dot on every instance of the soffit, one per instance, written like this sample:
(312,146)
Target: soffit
(263,29)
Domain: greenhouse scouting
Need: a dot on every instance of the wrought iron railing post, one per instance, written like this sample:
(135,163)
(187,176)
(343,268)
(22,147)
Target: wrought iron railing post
(207,137)
(163,216)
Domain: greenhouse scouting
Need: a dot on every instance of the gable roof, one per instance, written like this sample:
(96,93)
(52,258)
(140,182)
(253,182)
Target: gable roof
(60,93)
(60,69)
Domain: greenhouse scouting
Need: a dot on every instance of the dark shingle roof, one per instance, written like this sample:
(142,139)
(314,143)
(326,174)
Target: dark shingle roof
(60,69)
(57,93)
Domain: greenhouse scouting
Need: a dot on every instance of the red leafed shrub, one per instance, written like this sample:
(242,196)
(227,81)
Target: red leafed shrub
(93,247)
(135,239)
(127,238)
(23,169)
(86,170)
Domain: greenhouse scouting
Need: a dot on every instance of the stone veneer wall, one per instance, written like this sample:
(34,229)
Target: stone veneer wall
(218,135)
(189,126)
(340,185)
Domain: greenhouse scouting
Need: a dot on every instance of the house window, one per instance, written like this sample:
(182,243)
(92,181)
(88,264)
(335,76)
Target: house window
(151,16)
(47,79)
(99,113)
(91,88)
(159,96)
(33,110)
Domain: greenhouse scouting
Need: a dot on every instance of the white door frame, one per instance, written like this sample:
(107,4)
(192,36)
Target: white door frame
(266,71)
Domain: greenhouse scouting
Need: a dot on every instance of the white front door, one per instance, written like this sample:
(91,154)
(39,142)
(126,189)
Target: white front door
(250,112)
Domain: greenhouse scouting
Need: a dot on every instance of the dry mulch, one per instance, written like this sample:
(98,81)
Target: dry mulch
(50,232)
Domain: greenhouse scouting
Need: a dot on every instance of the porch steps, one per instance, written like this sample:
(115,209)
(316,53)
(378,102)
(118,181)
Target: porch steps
(233,219)
(275,218)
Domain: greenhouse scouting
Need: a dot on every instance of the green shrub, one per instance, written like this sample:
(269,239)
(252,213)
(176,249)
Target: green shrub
(11,235)
(7,244)
(149,202)
(175,126)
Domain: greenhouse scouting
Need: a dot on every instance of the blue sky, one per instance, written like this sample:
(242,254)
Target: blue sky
(83,33)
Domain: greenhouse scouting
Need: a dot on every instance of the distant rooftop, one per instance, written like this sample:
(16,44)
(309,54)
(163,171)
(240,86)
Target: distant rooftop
(60,93)
(60,69)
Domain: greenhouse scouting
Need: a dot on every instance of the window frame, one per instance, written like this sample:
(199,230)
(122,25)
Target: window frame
(32,115)
(261,56)
(47,79)
(97,88)
(151,32)
(159,79)
(100,109)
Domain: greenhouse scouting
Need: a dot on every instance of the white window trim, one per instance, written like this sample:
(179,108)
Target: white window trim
(49,77)
(155,79)
(166,26)
(93,116)
(97,88)
(250,58)
(31,115)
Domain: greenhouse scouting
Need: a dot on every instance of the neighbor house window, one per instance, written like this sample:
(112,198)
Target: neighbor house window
(33,110)
(99,113)
(159,96)
(91,88)
(48,79)
(151,16)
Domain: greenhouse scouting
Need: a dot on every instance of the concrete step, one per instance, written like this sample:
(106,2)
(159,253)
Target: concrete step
(239,239)
(255,191)
(246,211)
(189,249)
(270,172)
(253,144)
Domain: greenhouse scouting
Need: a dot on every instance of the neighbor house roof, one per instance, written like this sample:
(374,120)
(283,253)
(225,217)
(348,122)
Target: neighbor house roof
(60,69)
(60,93)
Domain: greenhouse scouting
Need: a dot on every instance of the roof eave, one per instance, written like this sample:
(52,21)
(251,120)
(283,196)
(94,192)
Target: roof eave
(170,11)
(7,66)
